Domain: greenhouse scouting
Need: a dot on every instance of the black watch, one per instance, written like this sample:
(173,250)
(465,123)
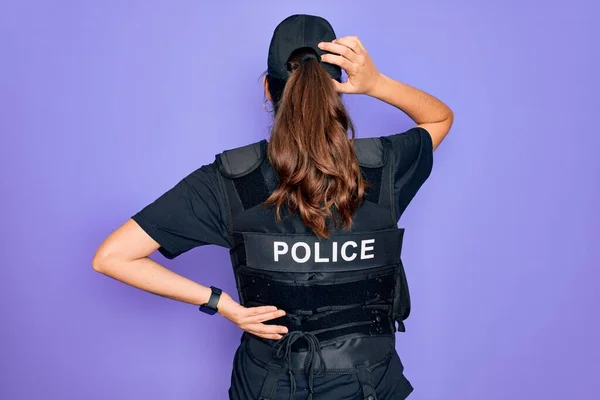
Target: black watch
(210,308)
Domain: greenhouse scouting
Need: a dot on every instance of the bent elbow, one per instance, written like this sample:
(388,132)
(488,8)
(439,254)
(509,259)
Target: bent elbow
(100,260)
(450,120)
(98,263)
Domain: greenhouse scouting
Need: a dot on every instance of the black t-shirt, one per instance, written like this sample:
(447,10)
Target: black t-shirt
(191,213)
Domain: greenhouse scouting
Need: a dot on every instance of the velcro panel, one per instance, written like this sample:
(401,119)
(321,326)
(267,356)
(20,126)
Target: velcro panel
(295,297)
(308,253)
(373,177)
(251,189)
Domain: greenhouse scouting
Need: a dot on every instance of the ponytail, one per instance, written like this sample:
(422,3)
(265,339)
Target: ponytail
(310,149)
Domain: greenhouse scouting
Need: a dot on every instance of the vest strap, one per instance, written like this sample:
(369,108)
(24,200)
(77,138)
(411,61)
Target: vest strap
(370,152)
(240,161)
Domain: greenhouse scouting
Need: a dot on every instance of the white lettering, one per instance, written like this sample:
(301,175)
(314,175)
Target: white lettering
(318,255)
(335,252)
(344,255)
(295,250)
(364,248)
(280,248)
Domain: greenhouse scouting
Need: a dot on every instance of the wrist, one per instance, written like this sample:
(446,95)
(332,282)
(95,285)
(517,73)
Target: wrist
(211,306)
(224,302)
(378,85)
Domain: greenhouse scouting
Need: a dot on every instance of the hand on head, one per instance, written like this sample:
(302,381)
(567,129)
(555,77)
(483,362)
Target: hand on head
(350,55)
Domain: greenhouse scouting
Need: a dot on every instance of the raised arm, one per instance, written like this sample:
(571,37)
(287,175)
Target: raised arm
(424,109)
(364,78)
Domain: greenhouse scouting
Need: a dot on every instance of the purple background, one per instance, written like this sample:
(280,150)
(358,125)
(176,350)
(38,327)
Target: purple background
(104,105)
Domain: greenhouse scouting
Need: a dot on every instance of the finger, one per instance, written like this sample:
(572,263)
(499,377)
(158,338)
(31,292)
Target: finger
(268,336)
(340,49)
(338,86)
(265,317)
(358,41)
(351,44)
(340,61)
(266,329)
(260,310)
(343,87)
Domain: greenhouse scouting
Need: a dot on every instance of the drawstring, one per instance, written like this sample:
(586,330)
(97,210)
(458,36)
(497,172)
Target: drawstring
(283,349)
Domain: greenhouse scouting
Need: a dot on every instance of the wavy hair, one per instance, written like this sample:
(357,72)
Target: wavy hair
(310,148)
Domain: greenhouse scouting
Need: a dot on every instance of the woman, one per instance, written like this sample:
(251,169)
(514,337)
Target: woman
(310,219)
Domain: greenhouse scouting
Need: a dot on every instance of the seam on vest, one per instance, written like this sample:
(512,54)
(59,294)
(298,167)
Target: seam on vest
(225,201)
(392,188)
(314,236)
(387,269)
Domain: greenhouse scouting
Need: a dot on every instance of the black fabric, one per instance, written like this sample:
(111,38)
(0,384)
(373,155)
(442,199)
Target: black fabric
(251,372)
(365,380)
(296,32)
(188,215)
(196,212)
(251,189)
(352,321)
(333,335)
(192,213)
(261,291)
(402,304)
(413,156)
(245,159)
(269,385)
(373,177)
(370,152)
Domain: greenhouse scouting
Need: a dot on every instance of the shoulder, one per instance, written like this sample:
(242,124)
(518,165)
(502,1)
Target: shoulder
(412,151)
(370,153)
(412,139)
(240,161)
(374,152)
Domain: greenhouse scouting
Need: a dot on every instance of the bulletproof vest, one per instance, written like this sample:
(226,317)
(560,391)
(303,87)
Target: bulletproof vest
(350,285)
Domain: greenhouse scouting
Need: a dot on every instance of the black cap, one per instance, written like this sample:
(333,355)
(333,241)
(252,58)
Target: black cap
(298,31)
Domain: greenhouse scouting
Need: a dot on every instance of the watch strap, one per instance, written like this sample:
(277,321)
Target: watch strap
(211,306)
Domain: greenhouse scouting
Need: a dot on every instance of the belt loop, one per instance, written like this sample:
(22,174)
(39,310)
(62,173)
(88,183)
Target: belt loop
(365,382)
(269,385)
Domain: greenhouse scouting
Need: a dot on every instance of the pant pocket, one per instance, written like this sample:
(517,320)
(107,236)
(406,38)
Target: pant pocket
(389,380)
(249,377)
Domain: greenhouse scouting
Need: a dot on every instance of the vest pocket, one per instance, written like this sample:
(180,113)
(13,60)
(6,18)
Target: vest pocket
(401,297)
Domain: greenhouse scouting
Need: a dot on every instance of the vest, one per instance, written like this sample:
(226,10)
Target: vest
(350,285)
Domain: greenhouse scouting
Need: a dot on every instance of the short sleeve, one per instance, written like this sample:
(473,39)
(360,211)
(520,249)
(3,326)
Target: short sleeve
(413,162)
(189,215)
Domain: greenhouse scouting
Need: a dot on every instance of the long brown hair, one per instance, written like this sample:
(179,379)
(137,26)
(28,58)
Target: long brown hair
(310,148)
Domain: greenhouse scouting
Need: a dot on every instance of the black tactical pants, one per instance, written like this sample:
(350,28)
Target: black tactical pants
(357,369)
